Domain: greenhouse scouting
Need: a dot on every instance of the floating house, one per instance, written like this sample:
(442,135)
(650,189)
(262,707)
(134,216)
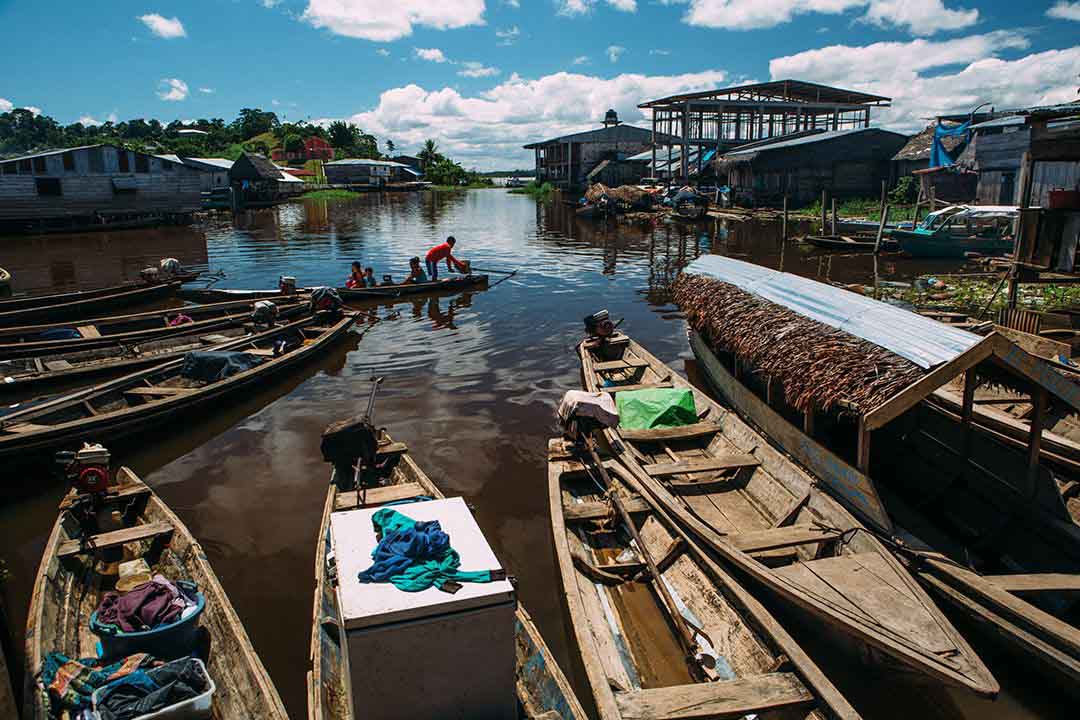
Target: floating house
(567,161)
(213,172)
(367,172)
(95,186)
(846,163)
(726,118)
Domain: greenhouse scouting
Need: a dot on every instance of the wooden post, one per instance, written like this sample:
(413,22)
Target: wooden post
(863,460)
(918,202)
(785,216)
(883,184)
(1038,400)
(966,409)
(808,423)
(835,224)
(933,198)
(1027,184)
(881,227)
(824,202)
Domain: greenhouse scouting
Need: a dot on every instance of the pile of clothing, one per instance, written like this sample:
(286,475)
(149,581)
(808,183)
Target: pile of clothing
(69,684)
(147,691)
(145,607)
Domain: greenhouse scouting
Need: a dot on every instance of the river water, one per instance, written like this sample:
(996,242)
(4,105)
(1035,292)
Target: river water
(471,383)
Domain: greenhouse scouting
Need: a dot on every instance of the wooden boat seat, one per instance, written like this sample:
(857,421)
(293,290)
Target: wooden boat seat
(692,465)
(378,495)
(116,538)
(26,427)
(125,492)
(88,331)
(214,339)
(157,391)
(613,365)
(582,512)
(617,341)
(641,386)
(676,433)
(781,537)
(1037,583)
(56,365)
(731,698)
(261,352)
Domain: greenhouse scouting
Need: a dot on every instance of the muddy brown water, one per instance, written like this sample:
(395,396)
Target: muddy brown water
(472,381)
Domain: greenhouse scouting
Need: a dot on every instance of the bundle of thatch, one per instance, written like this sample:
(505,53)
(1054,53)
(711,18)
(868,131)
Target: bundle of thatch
(819,366)
(629,194)
(597,191)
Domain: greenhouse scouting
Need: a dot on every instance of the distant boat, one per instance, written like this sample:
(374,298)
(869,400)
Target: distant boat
(959,231)
(454,282)
(81,304)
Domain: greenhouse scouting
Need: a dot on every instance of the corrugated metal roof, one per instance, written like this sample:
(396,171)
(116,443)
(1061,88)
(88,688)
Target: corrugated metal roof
(215,162)
(616,133)
(1000,122)
(923,341)
(819,137)
(367,161)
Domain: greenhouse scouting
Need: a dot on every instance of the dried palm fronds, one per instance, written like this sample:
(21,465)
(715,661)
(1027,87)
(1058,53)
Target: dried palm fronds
(820,367)
(629,194)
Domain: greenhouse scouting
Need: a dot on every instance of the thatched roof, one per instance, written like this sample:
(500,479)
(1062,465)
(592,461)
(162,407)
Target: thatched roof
(251,166)
(918,146)
(820,367)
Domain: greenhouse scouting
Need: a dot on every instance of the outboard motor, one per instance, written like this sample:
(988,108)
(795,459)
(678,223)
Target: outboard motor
(86,470)
(287,285)
(169,266)
(352,445)
(150,275)
(326,301)
(264,312)
(599,325)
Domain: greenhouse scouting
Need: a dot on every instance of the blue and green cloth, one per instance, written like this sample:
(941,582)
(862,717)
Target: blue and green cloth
(69,683)
(416,555)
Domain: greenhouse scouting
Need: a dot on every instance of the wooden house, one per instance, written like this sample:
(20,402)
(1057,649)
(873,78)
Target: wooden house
(213,172)
(953,184)
(315,148)
(568,160)
(847,163)
(364,171)
(94,186)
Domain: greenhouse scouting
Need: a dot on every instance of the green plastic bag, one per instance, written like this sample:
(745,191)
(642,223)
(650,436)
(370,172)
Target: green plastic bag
(658,408)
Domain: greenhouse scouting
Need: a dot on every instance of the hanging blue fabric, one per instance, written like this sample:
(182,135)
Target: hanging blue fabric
(939,156)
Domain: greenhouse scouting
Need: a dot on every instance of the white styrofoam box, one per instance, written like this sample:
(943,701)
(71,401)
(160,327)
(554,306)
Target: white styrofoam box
(196,708)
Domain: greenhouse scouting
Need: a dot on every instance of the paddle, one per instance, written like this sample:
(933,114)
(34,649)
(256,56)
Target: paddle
(497,272)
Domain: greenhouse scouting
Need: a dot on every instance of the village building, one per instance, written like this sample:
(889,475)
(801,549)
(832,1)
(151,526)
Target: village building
(213,172)
(95,185)
(414,162)
(950,183)
(845,163)
(568,161)
(364,171)
(315,148)
(726,118)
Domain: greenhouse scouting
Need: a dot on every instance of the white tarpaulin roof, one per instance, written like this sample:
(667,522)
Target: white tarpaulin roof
(923,341)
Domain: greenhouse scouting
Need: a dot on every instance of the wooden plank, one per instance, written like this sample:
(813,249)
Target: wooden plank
(55,365)
(124,492)
(157,391)
(675,433)
(730,699)
(378,495)
(758,540)
(1043,347)
(719,462)
(88,331)
(640,386)
(1037,582)
(620,365)
(580,512)
(394,448)
(116,538)
(26,427)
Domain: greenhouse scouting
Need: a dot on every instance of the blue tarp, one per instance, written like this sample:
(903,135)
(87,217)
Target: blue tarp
(939,156)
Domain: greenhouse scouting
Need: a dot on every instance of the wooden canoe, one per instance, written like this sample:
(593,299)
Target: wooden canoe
(543,691)
(68,587)
(1002,607)
(758,510)
(39,300)
(745,663)
(77,306)
(134,402)
(27,340)
(454,282)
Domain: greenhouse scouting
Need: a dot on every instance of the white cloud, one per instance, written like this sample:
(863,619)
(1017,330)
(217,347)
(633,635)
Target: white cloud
(88,120)
(33,110)
(431,54)
(382,51)
(164,27)
(172,89)
(581,60)
(473,69)
(6,105)
(487,130)
(1064,10)
(385,21)
(275,103)
(659,51)
(206,90)
(919,17)
(512,3)
(508,36)
(614,52)
(581,7)
(910,73)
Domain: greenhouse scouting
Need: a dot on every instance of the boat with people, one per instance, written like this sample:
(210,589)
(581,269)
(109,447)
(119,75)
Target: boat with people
(58,337)
(83,304)
(379,292)
(126,612)
(960,231)
(373,473)
(661,626)
(135,402)
(760,511)
(981,521)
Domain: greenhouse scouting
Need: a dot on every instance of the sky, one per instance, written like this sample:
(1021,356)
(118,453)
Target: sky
(484,77)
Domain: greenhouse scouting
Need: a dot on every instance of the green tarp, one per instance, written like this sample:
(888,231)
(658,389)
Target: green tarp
(656,408)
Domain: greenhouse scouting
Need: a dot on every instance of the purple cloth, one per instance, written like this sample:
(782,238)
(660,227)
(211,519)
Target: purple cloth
(142,608)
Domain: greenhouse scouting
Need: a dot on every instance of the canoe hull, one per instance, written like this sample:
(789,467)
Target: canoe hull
(347,294)
(78,308)
(927,245)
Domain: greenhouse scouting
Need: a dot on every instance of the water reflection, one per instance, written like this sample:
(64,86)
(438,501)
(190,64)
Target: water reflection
(471,384)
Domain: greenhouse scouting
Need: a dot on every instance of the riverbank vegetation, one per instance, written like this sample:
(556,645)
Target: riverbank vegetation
(981,297)
(330,194)
(542,191)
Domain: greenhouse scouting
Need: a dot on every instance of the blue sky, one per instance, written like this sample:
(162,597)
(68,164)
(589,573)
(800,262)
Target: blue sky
(484,77)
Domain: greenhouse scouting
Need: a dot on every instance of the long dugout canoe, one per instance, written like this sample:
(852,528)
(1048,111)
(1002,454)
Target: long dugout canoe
(39,300)
(354,294)
(758,510)
(82,307)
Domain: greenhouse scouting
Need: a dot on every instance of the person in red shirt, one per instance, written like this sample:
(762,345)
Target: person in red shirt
(439,253)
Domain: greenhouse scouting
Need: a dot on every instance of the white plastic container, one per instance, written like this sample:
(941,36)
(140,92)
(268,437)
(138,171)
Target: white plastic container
(196,708)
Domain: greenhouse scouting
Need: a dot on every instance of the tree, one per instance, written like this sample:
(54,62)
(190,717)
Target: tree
(429,154)
(253,121)
(389,147)
(343,135)
(293,143)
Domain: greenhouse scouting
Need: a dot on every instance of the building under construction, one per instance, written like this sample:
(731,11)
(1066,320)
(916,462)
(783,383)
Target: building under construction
(712,122)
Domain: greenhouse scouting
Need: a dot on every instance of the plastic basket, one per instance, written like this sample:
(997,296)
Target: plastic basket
(196,708)
(166,642)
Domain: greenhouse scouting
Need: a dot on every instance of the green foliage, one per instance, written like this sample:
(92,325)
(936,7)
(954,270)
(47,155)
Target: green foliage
(869,208)
(352,142)
(253,121)
(541,192)
(293,143)
(429,155)
(329,195)
(905,192)
(389,147)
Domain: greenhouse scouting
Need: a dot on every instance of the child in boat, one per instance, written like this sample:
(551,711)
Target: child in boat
(369,278)
(356,277)
(416,275)
(443,252)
